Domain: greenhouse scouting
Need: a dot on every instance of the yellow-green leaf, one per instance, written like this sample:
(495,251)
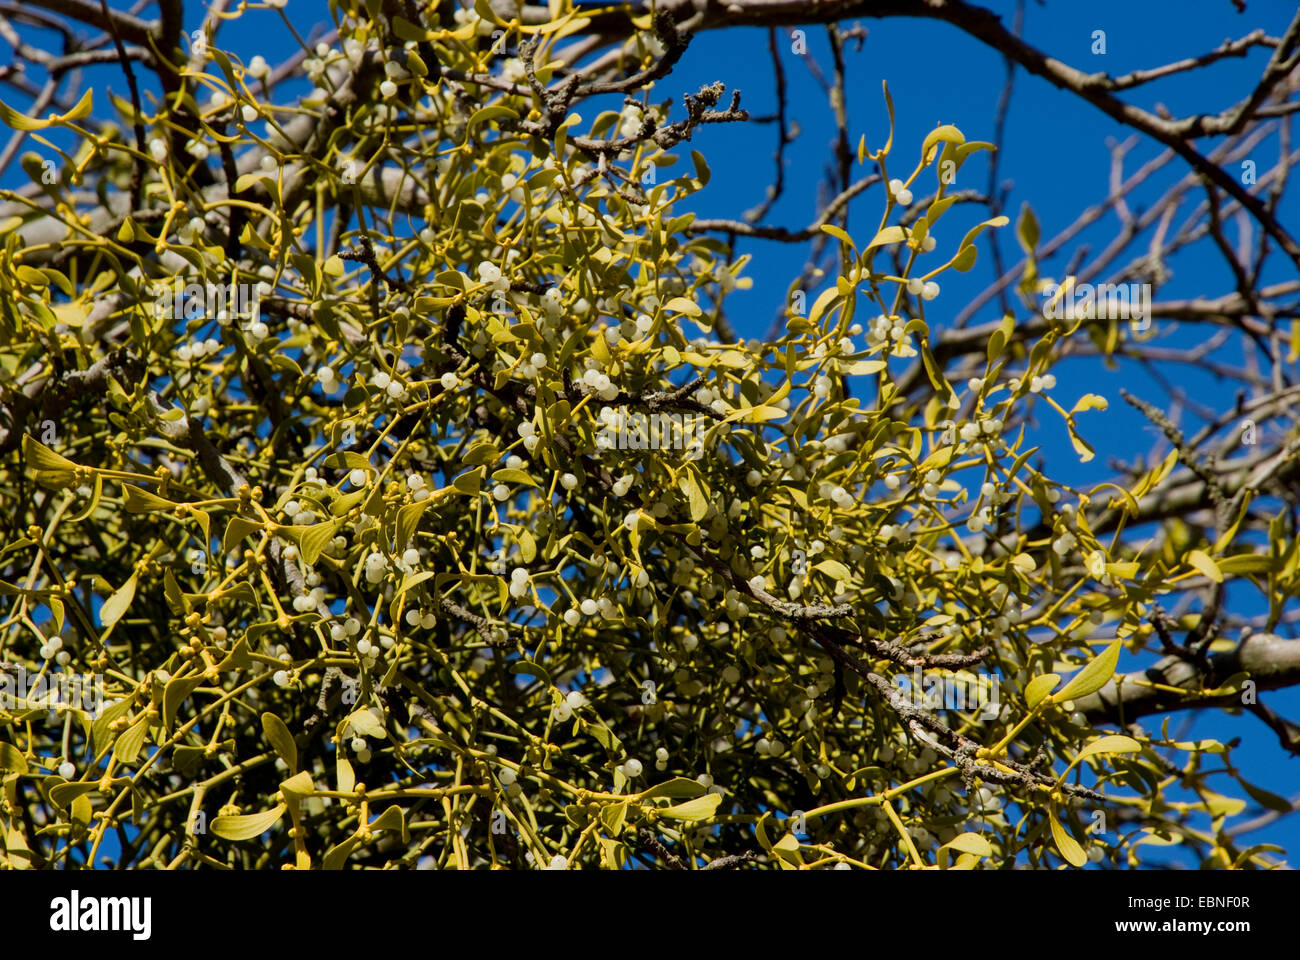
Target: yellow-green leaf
(1027,229)
(278,735)
(408,520)
(116,605)
(971,843)
(1090,401)
(676,787)
(175,693)
(1203,562)
(1039,688)
(1092,677)
(682,305)
(690,486)
(237,528)
(1221,806)
(248,826)
(367,723)
(469,483)
(890,234)
(315,539)
(701,808)
(482,452)
(54,468)
(943,134)
(1069,847)
(838,234)
(81,811)
(11,758)
(511,475)
(337,855)
(299,785)
(1023,562)
(344,775)
(139,500)
(392,818)
(65,793)
(19,121)
(1115,743)
(1245,563)
(833,569)
(757,414)
(527,546)
(129,744)
(859,368)
(83,107)
(824,300)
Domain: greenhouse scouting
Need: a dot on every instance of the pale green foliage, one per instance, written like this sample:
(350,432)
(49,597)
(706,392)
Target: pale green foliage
(744,596)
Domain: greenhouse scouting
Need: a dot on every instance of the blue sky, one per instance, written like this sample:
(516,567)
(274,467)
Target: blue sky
(1054,154)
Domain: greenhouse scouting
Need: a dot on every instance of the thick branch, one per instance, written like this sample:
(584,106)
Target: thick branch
(1272,662)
